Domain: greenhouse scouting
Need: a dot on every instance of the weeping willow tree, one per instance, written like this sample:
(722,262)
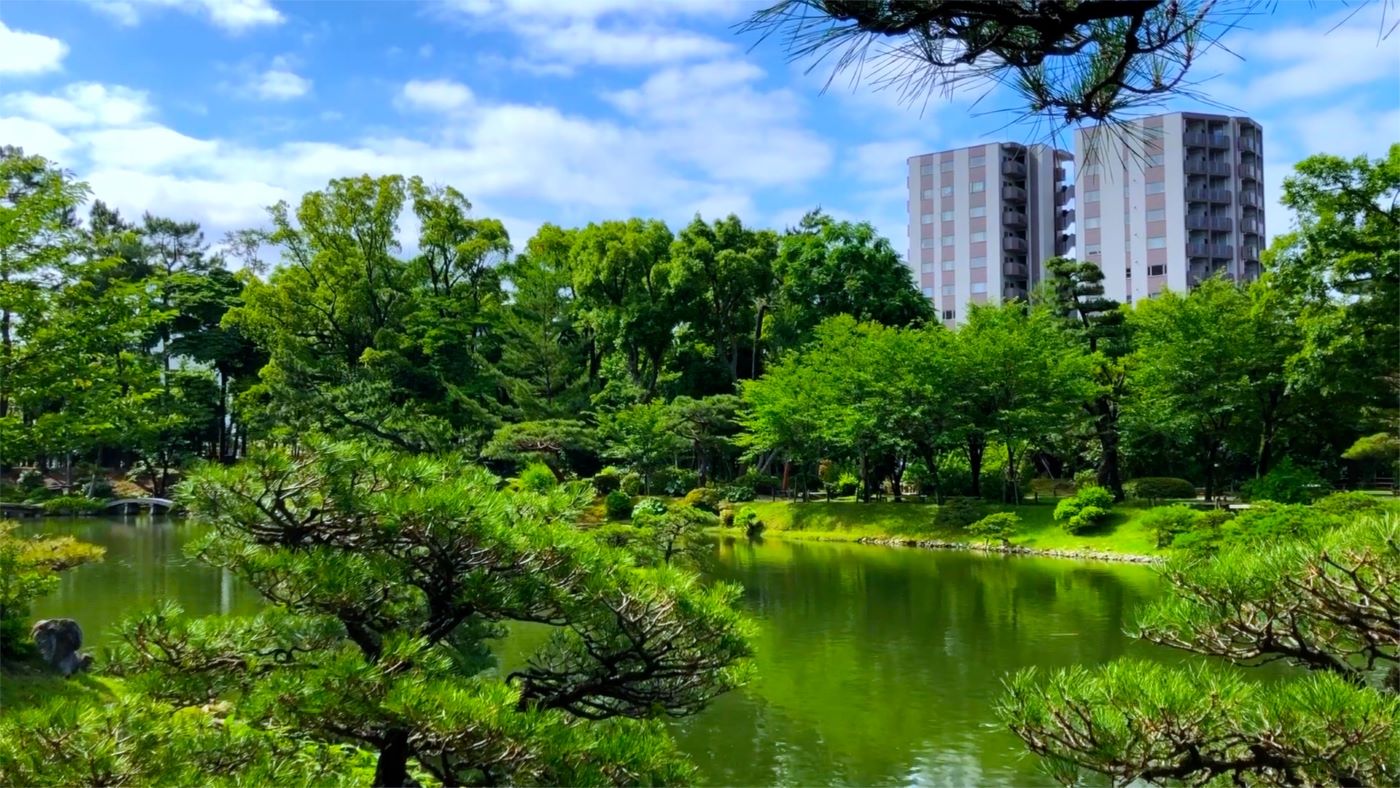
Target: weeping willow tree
(388,577)
(1330,605)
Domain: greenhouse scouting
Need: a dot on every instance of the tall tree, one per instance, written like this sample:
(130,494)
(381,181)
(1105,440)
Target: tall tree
(546,360)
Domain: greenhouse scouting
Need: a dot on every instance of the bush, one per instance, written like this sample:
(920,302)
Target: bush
(1086,509)
(726,517)
(98,487)
(846,484)
(706,499)
(618,505)
(1345,503)
(1205,531)
(607,480)
(631,483)
(1088,477)
(1000,526)
(1156,488)
(31,480)
(537,478)
(1286,483)
(1169,522)
(749,520)
(678,480)
(1264,523)
(73,505)
(959,512)
(739,493)
(648,506)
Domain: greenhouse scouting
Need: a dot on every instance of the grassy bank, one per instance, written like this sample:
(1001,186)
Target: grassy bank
(849,521)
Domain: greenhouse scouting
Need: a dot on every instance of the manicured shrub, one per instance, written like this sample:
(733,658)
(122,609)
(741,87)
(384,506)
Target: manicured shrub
(1158,488)
(1085,510)
(750,522)
(1086,478)
(704,498)
(31,480)
(677,481)
(631,483)
(959,512)
(846,484)
(1000,526)
(607,480)
(1264,523)
(618,505)
(1347,503)
(726,517)
(648,507)
(739,493)
(1168,522)
(73,505)
(1286,483)
(537,478)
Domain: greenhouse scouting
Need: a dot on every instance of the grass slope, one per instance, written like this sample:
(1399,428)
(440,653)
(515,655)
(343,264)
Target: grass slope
(849,521)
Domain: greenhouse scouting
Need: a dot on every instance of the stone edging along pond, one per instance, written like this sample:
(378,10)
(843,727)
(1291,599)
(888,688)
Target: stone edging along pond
(938,544)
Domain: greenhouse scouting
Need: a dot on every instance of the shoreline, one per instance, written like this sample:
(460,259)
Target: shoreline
(945,544)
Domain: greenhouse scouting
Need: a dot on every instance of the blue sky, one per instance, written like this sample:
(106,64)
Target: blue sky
(567,110)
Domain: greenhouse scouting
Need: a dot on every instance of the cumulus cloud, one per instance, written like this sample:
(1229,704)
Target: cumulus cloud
(82,104)
(235,16)
(23,53)
(279,84)
(436,95)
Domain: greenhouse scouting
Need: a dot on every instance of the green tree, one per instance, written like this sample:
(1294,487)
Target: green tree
(388,574)
(1327,605)
(546,359)
(29,569)
(643,436)
(709,425)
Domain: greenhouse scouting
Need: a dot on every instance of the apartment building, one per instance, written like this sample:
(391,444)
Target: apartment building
(1168,201)
(983,220)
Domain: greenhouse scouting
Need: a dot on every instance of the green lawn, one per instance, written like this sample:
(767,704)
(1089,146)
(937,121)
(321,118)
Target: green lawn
(849,521)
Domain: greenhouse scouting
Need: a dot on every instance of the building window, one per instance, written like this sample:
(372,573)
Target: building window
(928,292)
(1156,270)
(927,194)
(928,243)
(1156,187)
(1091,196)
(926,169)
(979,262)
(1157,242)
(949,265)
(1157,215)
(1157,160)
(947,240)
(926,218)
(1128,272)
(978,186)
(1092,248)
(979,287)
(946,166)
(950,314)
(928,267)
(947,216)
(1092,170)
(980,160)
(1091,223)
(978,212)
(980,235)
(949,289)
(946,191)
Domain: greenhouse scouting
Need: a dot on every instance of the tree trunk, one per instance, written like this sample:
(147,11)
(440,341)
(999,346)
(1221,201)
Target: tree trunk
(864,480)
(754,366)
(221,444)
(898,475)
(391,769)
(1210,471)
(1011,477)
(975,447)
(1106,422)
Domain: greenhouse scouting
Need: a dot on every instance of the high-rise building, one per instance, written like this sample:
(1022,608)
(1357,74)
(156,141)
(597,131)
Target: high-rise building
(983,220)
(1167,201)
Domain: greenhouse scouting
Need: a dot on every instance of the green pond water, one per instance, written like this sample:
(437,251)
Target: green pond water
(875,665)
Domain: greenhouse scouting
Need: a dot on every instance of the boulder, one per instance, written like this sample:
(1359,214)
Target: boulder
(58,640)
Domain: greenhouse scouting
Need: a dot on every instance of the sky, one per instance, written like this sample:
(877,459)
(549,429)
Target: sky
(571,111)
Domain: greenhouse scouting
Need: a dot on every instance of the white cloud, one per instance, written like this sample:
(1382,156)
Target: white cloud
(82,104)
(235,16)
(29,53)
(35,138)
(883,161)
(145,147)
(437,95)
(279,84)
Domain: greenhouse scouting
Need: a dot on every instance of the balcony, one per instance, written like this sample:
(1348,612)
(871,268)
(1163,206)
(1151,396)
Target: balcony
(1198,249)
(1013,291)
(1195,139)
(1013,218)
(1217,223)
(1218,140)
(1250,171)
(1249,143)
(1064,194)
(1250,198)
(1013,244)
(1249,253)
(1015,270)
(1013,193)
(1250,225)
(1203,167)
(1202,194)
(1013,167)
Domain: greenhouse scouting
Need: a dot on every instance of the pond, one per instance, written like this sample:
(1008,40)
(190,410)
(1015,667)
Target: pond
(876,665)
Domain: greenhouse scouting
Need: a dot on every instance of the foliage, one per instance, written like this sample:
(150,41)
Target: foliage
(1088,508)
(670,535)
(389,574)
(29,569)
(704,498)
(1156,488)
(561,444)
(73,505)
(739,493)
(1323,603)
(1347,503)
(1261,524)
(726,517)
(631,483)
(1286,483)
(537,478)
(607,480)
(1167,522)
(30,479)
(680,481)
(1000,526)
(618,505)
(1380,447)
(648,507)
(958,512)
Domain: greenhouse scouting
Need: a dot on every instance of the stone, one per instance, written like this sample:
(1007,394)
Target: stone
(58,640)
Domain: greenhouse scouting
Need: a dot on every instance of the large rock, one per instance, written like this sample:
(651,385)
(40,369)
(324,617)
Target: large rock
(58,640)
